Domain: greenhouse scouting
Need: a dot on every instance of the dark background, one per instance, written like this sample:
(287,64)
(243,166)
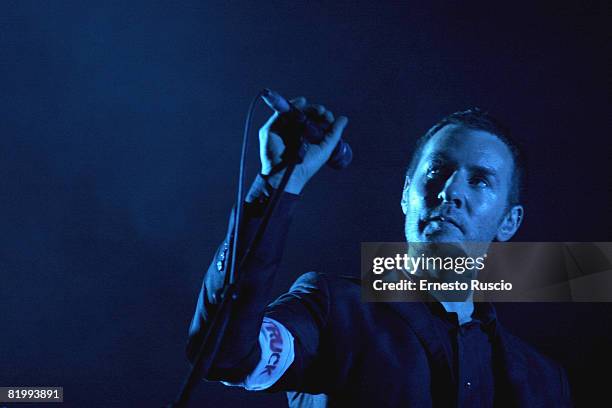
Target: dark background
(119,143)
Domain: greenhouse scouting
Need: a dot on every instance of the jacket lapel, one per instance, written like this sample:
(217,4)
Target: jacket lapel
(512,388)
(419,319)
(511,381)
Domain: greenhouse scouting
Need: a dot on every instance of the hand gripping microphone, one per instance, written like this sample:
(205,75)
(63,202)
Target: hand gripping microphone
(313,132)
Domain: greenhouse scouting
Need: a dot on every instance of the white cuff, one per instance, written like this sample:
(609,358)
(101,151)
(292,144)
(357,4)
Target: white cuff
(277,354)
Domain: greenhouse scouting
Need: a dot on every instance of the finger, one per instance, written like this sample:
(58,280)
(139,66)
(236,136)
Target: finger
(319,109)
(320,112)
(266,127)
(299,102)
(333,136)
(329,116)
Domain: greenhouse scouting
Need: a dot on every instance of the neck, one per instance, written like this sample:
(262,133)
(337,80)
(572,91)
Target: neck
(464,308)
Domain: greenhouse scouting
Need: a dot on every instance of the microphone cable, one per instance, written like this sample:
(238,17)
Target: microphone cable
(229,294)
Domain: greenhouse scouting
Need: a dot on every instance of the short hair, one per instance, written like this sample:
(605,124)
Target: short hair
(478,119)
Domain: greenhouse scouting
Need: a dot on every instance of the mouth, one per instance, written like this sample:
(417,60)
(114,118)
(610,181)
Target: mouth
(443,219)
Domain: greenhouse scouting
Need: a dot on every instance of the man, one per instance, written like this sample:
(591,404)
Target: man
(325,347)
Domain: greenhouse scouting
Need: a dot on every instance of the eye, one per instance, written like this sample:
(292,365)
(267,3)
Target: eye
(434,172)
(480,182)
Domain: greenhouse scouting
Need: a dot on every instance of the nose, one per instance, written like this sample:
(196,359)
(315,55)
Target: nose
(453,190)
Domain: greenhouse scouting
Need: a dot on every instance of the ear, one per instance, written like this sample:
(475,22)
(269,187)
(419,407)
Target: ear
(510,223)
(404,201)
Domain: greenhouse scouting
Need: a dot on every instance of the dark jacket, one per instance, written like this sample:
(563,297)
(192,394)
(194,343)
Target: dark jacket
(356,353)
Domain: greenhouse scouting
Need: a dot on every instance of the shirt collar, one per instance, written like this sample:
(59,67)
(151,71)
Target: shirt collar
(484,313)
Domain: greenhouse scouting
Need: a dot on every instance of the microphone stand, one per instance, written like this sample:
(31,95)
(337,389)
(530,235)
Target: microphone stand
(215,331)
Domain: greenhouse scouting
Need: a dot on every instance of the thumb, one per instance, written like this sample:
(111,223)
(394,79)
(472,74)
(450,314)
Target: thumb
(333,136)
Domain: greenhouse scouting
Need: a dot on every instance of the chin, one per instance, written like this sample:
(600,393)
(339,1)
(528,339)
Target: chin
(442,237)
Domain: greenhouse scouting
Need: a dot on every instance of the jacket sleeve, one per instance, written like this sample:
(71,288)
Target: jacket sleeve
(305,312)
(239,351)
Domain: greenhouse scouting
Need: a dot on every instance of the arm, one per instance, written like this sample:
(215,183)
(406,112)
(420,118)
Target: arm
(240,350)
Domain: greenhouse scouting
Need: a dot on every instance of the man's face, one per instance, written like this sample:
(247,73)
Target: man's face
(459,189)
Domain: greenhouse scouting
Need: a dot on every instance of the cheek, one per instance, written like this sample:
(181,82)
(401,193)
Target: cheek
(413,211)
(484,201)
(487,214)
(415,199)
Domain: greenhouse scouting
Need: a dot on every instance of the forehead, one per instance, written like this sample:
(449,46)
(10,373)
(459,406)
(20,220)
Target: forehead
(469,147)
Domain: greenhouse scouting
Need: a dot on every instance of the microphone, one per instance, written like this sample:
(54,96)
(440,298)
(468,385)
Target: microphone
(342,155)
